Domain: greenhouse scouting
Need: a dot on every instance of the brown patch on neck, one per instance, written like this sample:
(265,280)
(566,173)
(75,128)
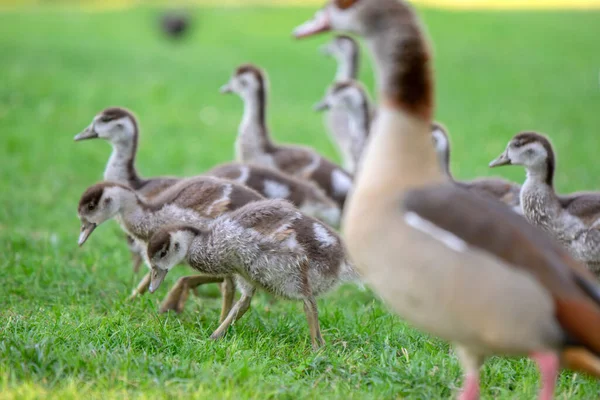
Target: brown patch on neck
(113,113)
(525,138)
(410,83)
(403,54)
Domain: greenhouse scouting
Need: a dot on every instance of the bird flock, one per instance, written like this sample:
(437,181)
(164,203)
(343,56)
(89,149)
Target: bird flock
(493,267)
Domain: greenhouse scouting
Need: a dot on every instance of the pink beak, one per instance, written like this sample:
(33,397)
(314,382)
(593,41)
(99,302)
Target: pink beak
(319,23)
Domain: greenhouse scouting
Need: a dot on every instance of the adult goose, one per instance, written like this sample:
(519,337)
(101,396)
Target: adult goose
(452,263)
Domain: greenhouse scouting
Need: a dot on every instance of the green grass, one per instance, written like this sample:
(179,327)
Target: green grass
(67,330)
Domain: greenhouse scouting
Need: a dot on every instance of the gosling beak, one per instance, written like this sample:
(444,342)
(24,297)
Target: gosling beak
(86,230)
(88,133)
(318,24)
(503,159)
(158,275)
(226,88)
(321,106)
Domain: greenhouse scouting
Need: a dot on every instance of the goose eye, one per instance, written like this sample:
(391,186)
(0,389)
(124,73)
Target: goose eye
(91,206)
(162,254)
(176,246)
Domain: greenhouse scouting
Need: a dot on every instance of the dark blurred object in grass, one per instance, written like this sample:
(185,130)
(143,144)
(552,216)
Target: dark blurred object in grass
(175,24)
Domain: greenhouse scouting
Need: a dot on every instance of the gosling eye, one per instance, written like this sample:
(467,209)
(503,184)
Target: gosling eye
(162,254)
(176,246)
(91,207)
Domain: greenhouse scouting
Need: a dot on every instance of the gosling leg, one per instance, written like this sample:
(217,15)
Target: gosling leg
(237,311)
(178,295)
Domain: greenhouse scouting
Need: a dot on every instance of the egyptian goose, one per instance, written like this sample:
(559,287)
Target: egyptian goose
(496,188)
(119,126)
(194,200)
(574,220)
(457,265)
(254,144)
(350,99)
(346,52)
(267,244)
(272,184)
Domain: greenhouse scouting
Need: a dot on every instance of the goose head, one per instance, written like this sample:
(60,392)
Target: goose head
(349,95)
(114,124)
(248,81)
(361,17)
(167,248)
(98,204)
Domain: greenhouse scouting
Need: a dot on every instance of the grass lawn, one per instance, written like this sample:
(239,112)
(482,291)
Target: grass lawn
(67,330)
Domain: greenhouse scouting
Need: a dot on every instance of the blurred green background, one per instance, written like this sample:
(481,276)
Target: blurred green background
(67,330)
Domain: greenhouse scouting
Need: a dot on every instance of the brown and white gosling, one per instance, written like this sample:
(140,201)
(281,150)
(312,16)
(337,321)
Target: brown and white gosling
(574,220)
(190,201)
(272,184)
(346,52)
(349,99)
(120,127)
(267,244)
(254,144)
(455,264)
(497,188)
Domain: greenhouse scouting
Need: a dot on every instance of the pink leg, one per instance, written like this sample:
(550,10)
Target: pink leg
(471,363)
(549,364)
(470,390)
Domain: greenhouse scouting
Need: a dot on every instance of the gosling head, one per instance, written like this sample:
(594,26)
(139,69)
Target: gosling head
(167,248)
(531,150)
(98,204)
(247,81)
(349,95)
(114,124)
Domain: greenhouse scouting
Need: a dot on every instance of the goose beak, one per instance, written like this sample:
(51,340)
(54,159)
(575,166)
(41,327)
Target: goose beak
(503,159)
(321,106)
(88,133)
(86,230)
(318,24)
(226,88)
(157,277)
